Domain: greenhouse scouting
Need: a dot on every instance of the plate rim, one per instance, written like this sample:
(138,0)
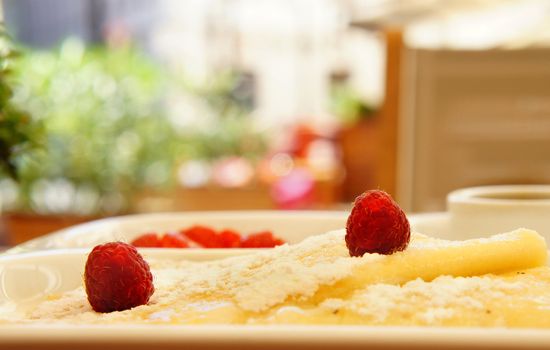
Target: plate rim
(75,230)
(228,335)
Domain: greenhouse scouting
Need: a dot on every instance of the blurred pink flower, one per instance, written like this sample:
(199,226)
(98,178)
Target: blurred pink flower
(295,190)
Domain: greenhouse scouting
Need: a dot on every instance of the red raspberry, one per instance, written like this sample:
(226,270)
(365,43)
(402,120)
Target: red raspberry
(205,236)
(117,278)
(264,239)
(147,240)
(174,240)
(376,224)
(230,238)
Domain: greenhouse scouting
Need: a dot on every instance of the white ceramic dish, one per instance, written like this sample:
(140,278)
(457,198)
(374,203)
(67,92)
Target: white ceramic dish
(28,276)
(292,226)
(483,211)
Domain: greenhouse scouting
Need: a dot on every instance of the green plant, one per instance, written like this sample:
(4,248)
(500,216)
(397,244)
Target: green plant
(231,136)
(347,105)
(106,129)
(19,133)
(225,127)
(217,92)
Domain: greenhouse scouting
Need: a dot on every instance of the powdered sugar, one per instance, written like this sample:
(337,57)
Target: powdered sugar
(430,302)
(249,286)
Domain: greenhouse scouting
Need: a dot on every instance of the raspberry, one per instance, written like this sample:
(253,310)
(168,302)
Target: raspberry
(204,236)
(230,238)
(173,240)
(117,278)
(376,224)
(147,240)
(264,239)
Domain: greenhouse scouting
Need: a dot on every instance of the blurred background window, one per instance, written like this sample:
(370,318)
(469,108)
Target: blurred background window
(44,24)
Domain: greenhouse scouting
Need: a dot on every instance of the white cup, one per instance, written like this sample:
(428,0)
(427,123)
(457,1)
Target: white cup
(483,211)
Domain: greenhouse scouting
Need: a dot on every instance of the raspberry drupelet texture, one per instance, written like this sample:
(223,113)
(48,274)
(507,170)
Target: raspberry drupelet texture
(376,224)
(117,278)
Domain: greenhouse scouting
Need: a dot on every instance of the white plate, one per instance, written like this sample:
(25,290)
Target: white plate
(28,276)
(292,226)
(435,224)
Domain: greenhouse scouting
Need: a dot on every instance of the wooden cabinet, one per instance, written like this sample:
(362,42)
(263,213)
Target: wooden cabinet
(472,118)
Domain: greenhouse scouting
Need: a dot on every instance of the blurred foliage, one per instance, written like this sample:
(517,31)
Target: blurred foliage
(218,92)
(232,136)
(227,128)
(348,106)
(19,133)
(106,129)
(109,131)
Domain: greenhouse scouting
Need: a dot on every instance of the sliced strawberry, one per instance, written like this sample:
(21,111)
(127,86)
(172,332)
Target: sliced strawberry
(204,236)
(230,238)
(174,240)
(147,240)
(264,239)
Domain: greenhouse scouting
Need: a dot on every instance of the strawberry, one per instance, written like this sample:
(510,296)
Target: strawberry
(230,238)
(173,240)
(204,236)
(117,278)
(263,239)
(376,224)
(147,240)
